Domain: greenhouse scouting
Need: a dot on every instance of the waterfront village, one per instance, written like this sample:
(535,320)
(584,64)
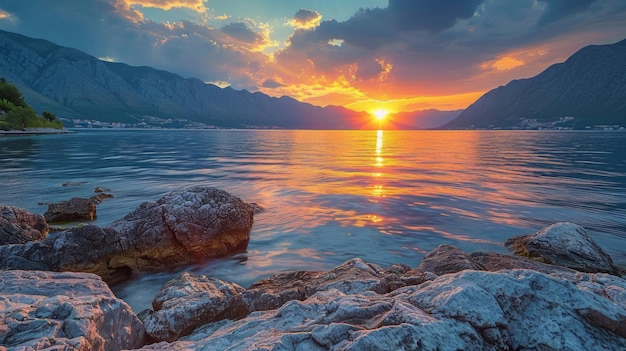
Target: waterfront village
(151,122)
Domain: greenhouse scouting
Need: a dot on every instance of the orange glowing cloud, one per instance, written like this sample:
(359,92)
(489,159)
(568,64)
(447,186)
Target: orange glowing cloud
(195,5)
(440,102)
(515,59)
(504,63)
(305,19)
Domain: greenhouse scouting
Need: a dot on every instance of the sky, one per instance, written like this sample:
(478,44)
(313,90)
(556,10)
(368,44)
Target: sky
(366,55)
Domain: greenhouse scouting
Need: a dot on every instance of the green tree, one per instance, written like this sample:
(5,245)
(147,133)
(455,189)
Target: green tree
(6,105)
(11,93)
(49,116)
(16,114)
(22,117)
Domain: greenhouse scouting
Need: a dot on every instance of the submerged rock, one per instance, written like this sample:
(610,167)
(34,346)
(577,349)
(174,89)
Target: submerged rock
(64,311)
(74,209)
(18,226)
(564,244)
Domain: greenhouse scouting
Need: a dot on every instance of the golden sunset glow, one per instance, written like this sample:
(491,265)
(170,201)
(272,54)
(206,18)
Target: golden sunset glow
(380,114)
(335,53)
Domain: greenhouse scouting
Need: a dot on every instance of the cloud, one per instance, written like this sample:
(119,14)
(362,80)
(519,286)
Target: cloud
(504,63)
(195,5)
(422,48)
(104,28)
(556,10)
(246,38)
(429,15)
(305,19)
(272,83)
(240,31)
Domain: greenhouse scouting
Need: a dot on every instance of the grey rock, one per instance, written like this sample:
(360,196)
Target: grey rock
(468,310)
(71,210)
(494,262)
(187,302)
(64,311)
(82,249)
(352,276)
(446,259)
(564,244)
(18,226)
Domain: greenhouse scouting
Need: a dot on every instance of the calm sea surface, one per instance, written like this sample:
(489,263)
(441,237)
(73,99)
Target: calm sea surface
(385,196)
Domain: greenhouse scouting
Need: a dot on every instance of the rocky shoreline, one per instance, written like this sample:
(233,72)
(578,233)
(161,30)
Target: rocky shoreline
(35,131)
(558,290)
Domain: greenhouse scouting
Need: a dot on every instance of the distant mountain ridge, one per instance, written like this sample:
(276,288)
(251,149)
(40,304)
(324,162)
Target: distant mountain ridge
(74,84)
(588,89)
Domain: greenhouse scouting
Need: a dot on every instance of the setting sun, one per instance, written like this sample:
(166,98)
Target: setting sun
(380,114)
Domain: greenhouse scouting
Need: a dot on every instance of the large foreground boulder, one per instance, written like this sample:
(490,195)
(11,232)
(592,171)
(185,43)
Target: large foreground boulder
(564,244)
(64,311)
(18,226)
(193,224)
(182,227)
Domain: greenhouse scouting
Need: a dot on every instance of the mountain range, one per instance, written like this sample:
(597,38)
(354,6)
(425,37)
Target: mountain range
(73,84)
(587,90)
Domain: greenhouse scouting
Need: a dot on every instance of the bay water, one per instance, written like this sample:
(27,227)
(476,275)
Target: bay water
(384,196)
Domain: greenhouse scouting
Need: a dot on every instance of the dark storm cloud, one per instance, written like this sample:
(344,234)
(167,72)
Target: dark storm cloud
(560,9)
(430,15)
(104,29)
(371,28)
(240,31)
(75,23)
(442,46)
(272,83)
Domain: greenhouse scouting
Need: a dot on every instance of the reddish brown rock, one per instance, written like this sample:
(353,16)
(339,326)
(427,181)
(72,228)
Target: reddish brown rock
(74,209)
(19,226)
(184,226)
